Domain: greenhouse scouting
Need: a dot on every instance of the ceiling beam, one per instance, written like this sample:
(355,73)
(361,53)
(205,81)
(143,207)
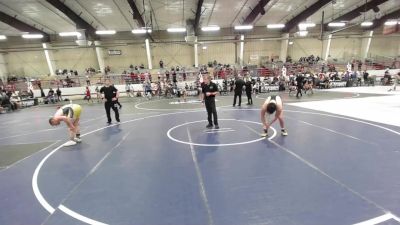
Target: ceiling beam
(19,25)
(136,13)
(357,12)
(119,9)
(79,22)
(83,7)
(198,15)
(379,22)
(154,15)
(304,15)
(138,17)
(18,14)
(259,9)
(237,14)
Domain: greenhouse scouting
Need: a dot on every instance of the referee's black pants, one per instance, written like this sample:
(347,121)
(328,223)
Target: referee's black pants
(111,105)
(237,94)
(211,111)
(249,99)
(299,91)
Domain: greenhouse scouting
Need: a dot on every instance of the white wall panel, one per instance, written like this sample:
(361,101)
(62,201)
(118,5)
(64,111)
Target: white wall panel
(32,63)
(345,48)
(131,55)
(76,59)
(172,55)
(305,47)
(261,48)
(222,52)
(385,47)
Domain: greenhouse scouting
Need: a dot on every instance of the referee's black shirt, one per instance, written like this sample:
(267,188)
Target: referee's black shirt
(212,87)
(109,92)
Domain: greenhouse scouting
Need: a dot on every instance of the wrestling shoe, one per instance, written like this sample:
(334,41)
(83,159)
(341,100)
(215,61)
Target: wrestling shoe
(69,143)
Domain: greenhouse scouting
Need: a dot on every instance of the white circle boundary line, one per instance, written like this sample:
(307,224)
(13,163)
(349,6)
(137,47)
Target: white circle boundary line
(141,108)
(140,103)
(211,145)
(355,95)
(328,115)
(81,218)
(35,186)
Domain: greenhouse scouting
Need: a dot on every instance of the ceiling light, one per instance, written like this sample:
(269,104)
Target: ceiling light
(176,30)
(3,37)
(140,31)
(366,24)
(204,47)
(105,32)
(290,42)
(336,24)
(390,23)
(302,33)
(210,28)
(244,27)
(32,36)
(305,25)
(70,34)
(275,26)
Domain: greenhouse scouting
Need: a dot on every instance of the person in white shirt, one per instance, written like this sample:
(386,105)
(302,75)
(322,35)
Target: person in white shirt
(273,104)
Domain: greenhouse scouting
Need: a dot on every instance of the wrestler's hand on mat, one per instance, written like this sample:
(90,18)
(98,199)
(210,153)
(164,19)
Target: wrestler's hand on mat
(265,133)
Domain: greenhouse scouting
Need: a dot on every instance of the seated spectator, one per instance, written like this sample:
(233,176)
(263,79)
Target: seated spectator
(4,101)
(7,101)
(16,101)
(308,86)
(30,94)
(50,96)
(386,78)
(325,83)
(365,76)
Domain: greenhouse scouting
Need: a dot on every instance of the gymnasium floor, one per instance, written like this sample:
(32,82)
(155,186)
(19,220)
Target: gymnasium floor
(339,165)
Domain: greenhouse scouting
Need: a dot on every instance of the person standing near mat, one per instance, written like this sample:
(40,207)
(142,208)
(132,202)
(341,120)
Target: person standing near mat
(239,83)
(70,114)
(249,89)
(299,80)
(111,94)
(273,104)
(210,90)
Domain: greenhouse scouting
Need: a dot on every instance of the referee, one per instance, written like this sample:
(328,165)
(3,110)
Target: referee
(111,94)
(210,89)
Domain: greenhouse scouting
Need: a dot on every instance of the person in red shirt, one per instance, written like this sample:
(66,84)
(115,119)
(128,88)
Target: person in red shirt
(88,96)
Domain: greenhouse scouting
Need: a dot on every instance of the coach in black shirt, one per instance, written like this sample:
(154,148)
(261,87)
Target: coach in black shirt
(111,94)
(210,89)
